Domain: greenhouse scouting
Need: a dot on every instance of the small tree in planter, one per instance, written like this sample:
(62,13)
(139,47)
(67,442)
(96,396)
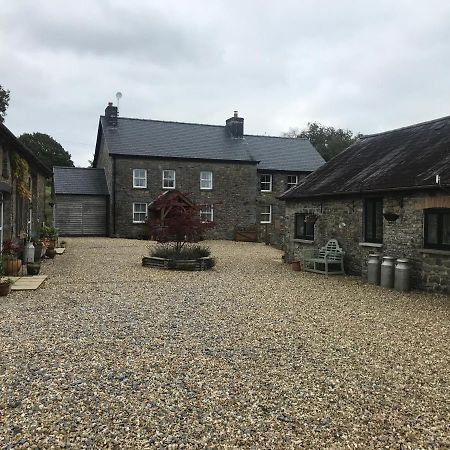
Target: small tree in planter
(176,219)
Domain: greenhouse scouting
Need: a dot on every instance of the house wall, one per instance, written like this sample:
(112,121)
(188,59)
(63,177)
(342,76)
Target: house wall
(233,194)
(273,232)
(105,162)
(342,219)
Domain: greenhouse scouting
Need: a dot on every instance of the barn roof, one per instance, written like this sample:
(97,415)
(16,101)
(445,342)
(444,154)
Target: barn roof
(407,158)
(79,181)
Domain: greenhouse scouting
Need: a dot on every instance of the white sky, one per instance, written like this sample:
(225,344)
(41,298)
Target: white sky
(364,65)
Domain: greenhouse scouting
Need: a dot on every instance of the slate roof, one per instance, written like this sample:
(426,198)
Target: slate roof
(79,181)
(402,159)
(22,150)
(155,138)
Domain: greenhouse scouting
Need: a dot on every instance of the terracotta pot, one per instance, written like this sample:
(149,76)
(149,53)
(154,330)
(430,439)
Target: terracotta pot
(295,266)
(12,266)
(5,288)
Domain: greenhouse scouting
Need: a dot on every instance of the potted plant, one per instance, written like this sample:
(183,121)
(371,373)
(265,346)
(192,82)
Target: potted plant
(49,233)
(11,262)
(5,283)
(33,268)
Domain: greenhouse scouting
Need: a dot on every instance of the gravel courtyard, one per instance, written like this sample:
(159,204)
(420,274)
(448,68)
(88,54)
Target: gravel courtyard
(109,354)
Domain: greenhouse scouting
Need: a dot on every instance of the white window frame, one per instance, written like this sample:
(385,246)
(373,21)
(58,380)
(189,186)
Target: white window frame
(168,179)
(208,212)
(139,212)
(265,182)
(264,212)
(208,180)
(136,178)
(291,185)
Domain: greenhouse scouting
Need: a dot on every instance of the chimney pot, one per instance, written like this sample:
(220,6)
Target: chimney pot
(235,114)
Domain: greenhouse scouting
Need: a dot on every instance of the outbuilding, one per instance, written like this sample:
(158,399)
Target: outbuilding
(81,201)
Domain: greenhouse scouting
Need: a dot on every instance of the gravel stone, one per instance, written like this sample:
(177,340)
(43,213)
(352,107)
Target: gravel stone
(109,354)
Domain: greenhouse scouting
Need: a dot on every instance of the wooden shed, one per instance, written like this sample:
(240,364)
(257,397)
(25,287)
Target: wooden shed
(81,201)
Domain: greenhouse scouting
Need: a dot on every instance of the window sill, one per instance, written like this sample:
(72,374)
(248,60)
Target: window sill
(138,222)
(265,192)
(265,223)
(435,251)
(370,244)
(304,241)
(139,187)
(168,188)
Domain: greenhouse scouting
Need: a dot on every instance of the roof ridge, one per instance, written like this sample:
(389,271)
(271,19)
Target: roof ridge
(405,127)
(169,121)
(79,168)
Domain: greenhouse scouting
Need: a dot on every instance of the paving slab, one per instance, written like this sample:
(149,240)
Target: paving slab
(27,283)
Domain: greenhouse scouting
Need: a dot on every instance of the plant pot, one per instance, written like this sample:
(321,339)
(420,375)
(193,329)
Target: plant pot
(12,266)
(33,268)
(51,252)
(5,288)
(295,265)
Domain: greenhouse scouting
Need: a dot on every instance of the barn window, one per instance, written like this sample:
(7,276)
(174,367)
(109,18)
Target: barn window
(373,220)
(303,229)
(437,228)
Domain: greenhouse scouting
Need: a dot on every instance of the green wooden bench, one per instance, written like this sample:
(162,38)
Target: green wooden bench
(328,260)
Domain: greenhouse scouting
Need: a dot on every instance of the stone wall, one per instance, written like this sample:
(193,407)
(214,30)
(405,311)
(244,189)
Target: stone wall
(342,219)
(233,194)
(105,162)
(274,232)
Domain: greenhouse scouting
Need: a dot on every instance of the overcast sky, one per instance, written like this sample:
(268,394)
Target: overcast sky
(364,65)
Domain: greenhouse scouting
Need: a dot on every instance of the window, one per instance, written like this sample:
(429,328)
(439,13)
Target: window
(303,229)
(292,181)
(373,220)
(168,181)
(437,228)
(206,213)
(266,183)
(139,212)
(266,214)
(205,180)
(139,178)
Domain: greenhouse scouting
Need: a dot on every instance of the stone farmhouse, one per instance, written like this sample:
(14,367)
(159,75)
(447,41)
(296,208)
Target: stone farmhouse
(22,195)
(388,193)
(235,178)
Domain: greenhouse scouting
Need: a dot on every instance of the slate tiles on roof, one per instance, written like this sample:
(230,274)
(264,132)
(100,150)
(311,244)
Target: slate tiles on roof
(408,157)
(136,137)
(79,181)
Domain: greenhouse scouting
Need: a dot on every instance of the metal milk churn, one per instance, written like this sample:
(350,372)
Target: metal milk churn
(387,272)
(28,253)
(402,275)
(374,268)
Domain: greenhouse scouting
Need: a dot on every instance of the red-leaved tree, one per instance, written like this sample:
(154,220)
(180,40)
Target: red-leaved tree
(176,221)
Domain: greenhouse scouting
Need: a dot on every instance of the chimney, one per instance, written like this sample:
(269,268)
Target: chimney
(235,126)
(111,114)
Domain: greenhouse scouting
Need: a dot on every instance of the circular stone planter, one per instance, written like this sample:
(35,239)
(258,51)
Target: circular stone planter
(204,263)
